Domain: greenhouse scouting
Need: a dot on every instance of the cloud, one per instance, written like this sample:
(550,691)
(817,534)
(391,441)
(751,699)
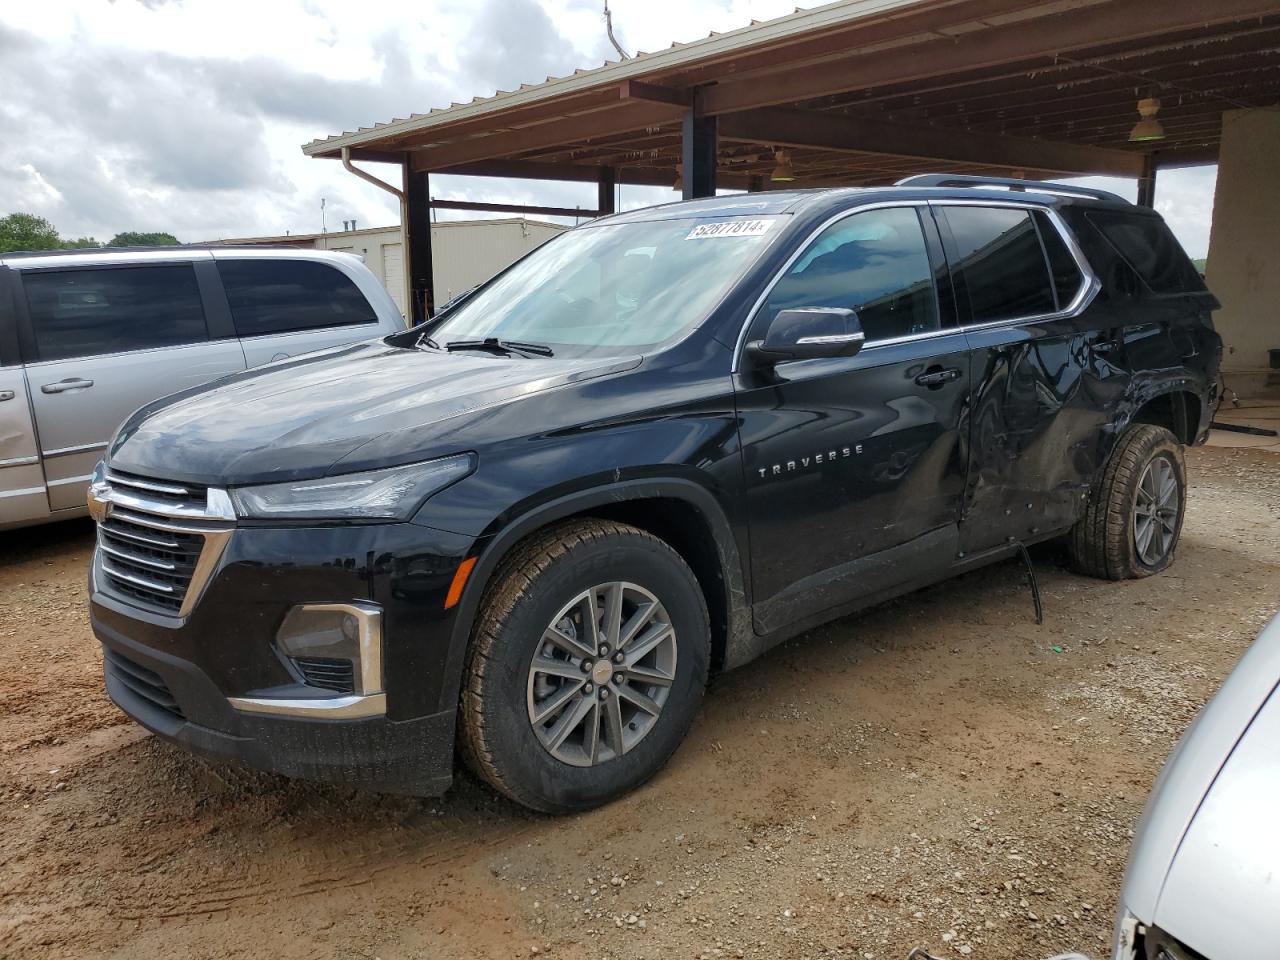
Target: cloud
(189,117)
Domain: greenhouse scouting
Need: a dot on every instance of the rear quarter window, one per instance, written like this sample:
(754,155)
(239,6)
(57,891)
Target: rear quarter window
(1147,245)
(84,313)
(285,296)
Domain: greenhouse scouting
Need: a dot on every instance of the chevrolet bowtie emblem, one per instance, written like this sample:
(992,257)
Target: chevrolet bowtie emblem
(99,502)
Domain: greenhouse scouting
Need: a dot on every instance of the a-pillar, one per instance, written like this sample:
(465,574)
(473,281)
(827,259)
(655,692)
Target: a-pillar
(1244,245)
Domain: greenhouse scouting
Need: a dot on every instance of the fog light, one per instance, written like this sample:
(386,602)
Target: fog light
(337,646)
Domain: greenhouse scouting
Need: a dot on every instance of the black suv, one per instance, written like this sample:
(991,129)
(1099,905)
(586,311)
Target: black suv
(528,530)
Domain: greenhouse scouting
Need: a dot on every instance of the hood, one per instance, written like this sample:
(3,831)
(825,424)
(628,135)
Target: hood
(1200,866)
(1222,895)
(303,417)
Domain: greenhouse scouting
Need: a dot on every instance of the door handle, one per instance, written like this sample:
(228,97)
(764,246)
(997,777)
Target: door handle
(1104,348)
(6,395)
(71,383)
(936,378)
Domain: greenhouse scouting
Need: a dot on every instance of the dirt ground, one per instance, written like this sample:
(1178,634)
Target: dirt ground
(940,772)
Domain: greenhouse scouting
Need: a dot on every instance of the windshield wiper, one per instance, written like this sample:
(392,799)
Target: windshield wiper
(425,341)
(502,346)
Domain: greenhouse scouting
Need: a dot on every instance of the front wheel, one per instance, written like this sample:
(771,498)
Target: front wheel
(587,666)
(1134,516)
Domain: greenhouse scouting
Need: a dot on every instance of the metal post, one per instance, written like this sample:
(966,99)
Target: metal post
(607,184)
(699,156)
(417,235)
(1147,181)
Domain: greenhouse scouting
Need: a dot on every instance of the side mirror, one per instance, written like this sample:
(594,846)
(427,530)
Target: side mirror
(808,333)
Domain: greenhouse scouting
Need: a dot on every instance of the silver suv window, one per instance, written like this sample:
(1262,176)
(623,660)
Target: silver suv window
(90,312)
(284,296)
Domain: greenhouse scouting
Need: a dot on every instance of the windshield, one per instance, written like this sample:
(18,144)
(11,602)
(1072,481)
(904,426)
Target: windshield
(614,287)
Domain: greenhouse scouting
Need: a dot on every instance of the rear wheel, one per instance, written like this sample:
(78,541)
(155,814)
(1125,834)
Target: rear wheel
(1134,517)
(587,666)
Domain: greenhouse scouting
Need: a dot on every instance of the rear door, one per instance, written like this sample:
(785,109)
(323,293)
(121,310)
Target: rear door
(22,494)
(855,466)
(1041,395)
(102,341)
(283,307)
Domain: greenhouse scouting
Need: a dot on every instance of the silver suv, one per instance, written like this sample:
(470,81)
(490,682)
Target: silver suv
(87,337)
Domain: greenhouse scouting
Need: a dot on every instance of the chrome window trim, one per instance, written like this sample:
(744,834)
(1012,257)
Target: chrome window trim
(1084,296)
(20,462)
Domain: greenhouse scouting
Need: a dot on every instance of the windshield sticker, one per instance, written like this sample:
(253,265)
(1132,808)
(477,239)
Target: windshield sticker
(730,228)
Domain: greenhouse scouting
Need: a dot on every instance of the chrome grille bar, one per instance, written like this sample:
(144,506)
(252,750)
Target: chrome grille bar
(159,543)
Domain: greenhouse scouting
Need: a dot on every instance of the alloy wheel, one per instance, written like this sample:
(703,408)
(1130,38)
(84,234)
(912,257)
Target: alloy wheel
(602,673)
(1155,516)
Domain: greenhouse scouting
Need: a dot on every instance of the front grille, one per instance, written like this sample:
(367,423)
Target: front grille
(144,683)
(328,672)
(146,564)
(158,542)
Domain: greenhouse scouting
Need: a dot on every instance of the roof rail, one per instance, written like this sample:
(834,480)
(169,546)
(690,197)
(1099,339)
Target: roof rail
(1039,186)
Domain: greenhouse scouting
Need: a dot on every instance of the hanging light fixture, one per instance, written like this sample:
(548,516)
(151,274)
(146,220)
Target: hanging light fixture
(678,186)
(782,172)
(1148,128)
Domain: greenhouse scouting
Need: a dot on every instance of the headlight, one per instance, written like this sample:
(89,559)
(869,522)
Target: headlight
(394,494)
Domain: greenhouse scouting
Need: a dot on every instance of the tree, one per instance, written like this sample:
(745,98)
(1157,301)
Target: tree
(131,238)
(79,243)
(26,231)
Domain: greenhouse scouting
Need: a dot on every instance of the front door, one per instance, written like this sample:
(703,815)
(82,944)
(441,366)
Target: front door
(855,466)
(106,341)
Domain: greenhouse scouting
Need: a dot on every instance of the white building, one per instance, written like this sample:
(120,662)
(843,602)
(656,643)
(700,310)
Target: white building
(463,252)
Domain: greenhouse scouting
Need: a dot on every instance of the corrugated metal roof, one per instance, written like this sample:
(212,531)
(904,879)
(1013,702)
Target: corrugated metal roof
(612,71)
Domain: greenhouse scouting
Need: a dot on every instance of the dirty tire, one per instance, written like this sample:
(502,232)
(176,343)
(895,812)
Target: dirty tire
(1103,542)
(496,736)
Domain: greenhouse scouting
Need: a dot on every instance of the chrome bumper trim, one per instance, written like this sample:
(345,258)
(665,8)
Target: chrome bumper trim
(353,707)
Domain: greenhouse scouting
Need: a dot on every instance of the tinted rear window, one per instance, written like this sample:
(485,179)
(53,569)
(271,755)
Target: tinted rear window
(1001,263)
(82,313)
(1148,246)
(282,296)
(1067,278)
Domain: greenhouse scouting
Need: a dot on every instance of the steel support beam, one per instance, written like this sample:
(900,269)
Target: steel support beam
(1147,181)
(521,208)
(825,131)
(698,155)
(417,237)
(606,188)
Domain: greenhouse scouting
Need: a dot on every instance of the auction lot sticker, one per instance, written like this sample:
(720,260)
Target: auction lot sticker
(730,228)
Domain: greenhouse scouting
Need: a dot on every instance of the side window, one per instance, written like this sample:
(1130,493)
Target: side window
(1149,247)
(84,313)
(282,296)
(875,263)
(1000,262)
(1067,278)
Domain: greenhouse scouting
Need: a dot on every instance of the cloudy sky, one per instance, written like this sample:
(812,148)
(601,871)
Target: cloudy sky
(188,115)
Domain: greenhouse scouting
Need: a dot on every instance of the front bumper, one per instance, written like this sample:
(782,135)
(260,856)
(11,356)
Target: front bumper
(409,756)
(216,682)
